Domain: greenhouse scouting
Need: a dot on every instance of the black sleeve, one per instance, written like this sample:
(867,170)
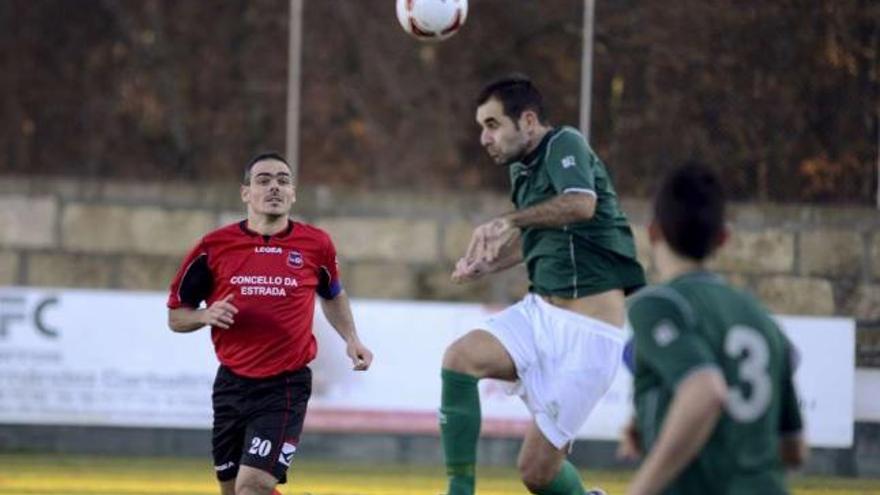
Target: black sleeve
(197,282)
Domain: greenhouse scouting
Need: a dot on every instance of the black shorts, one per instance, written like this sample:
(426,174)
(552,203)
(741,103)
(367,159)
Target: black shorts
(258,421)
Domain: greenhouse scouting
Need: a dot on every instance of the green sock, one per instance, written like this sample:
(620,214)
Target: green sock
(567,482)
(460,429)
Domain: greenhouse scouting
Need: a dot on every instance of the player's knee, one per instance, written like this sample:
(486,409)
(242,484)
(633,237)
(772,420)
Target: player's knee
(458,358)
(535,476)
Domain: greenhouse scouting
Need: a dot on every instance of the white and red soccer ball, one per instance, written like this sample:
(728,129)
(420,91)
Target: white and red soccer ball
(431,20)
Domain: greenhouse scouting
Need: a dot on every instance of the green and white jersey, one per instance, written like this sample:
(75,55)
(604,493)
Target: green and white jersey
(582,258)
(697,321)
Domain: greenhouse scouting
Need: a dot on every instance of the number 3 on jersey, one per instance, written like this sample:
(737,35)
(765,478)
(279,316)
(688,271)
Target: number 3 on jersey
(749,347)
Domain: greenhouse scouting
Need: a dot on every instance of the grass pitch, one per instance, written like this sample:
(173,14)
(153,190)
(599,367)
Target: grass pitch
(82,475)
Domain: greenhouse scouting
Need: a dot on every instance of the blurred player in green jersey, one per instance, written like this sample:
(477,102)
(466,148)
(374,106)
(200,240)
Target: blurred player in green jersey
(716,409)
(561,345)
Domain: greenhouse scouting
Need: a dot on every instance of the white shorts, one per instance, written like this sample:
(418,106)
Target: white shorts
(565,362)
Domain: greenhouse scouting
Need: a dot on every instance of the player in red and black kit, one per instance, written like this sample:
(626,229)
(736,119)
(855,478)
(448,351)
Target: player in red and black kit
(258,280)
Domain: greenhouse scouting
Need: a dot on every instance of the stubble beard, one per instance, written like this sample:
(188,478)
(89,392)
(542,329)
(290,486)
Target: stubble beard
(271,215)
(515,157)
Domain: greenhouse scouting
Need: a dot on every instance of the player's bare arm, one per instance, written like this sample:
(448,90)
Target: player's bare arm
(467,270)
(338,313)
(491,238)
(699,401)
(493,248)
(630,447)
(793,450)
(220,314)
(559,211)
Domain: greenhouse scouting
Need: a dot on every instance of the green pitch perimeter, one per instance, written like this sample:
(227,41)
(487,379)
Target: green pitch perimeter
(80,475)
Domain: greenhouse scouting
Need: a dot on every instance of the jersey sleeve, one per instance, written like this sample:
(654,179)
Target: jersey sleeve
(790,421)
(193,282)
(570,163)
(665,336)
(329,285)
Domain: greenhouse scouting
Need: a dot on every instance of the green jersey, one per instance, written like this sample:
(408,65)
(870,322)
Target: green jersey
(698,321)
(583,258)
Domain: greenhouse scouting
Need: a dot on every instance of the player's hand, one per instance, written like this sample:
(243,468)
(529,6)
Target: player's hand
(499,233)
(467,271)
(360,356)
(629,448)
(221,313)
(489,239)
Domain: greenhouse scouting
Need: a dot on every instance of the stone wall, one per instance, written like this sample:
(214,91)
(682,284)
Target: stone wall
(806,260)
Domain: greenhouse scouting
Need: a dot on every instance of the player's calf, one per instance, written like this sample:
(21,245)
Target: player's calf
(535,477)
(459,430)
(564,481)
(252,481)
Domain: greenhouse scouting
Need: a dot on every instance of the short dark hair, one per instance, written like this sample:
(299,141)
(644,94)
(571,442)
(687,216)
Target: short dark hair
(517,94)
(689,208)
(268,155)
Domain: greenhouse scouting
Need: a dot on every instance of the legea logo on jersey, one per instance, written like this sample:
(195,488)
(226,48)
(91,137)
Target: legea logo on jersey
(569,161)
(295,259)
(268,249)
(286,455)
(665,333)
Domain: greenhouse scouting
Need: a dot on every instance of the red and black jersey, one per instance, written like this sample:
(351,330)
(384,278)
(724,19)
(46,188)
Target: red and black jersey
(273,280)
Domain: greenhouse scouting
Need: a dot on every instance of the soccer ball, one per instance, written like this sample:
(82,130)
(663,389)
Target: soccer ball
(431,20)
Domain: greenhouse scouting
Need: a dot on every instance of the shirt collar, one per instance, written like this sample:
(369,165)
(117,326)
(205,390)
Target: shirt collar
(531,158)
(280,235)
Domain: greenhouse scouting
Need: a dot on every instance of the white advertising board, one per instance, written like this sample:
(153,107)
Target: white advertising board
(78,357)
(99,358)
(825,379)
